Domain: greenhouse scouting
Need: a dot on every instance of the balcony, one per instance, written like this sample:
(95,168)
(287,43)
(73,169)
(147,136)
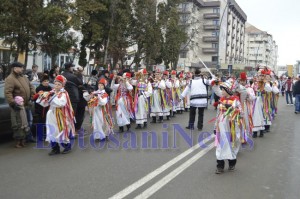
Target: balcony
(211,15)
(238,29)
(210,50)
(229,22)
(233,26)
(210,39)
(211,27)
(228,43)
(232,46)
(233,36)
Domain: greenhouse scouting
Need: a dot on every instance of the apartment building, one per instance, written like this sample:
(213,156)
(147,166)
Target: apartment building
(261,48)
(216,33)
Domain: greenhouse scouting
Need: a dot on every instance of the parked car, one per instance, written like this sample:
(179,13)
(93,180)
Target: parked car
(5,122)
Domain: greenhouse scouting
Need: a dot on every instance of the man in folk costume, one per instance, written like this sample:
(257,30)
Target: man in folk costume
(264,90)
(60,116)
(142,93)
(187,97)
(174,92)
(157,100)
(247,97)
(227,127)
(182,84)
(198,97)
(124,101)
(166,95)
(102,122)
(257,110)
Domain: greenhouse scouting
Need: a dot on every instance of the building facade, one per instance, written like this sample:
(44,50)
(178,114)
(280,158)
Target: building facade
(216,31)
(261,48)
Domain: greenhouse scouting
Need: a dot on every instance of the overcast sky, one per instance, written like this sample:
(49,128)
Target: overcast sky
(279,18)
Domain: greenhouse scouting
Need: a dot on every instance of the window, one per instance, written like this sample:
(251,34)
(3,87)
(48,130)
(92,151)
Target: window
(214,58)
(216,22)
(214,45)
(182,54)
(216,10)
(215,33)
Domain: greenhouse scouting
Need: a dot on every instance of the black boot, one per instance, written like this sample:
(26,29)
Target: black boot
(128,127)
(168,117)
(267,128)
(145,125)
(139,126)
(231,165)
(121,129)
(254,134)
(153,119)
(186,109)
(190,126)
(160,120)
(261,134)
(55,150)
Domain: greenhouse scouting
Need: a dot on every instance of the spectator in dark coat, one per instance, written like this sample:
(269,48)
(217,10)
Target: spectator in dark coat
(296,93)
(40,110)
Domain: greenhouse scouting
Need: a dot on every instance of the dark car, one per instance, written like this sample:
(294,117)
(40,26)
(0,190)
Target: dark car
(5,123)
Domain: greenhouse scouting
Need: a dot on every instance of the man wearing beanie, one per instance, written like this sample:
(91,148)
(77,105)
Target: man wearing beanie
(16,84)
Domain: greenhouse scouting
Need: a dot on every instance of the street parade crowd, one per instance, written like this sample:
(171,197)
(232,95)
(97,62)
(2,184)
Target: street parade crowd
(245,107)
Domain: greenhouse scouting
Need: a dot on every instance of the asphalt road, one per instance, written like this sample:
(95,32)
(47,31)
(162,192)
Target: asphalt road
(170,168)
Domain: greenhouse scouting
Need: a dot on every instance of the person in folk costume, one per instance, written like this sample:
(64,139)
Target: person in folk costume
(181,103)
(123,101)
(257,110)
(157,100)
(60,116)
(228,126)
(102,122)
(264,90)
(247,97)
(166,95)
(276,94)
(174,92)
(142,92)
(187,97)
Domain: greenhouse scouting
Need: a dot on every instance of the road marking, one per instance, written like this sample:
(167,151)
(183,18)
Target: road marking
(154,188)
(158,171)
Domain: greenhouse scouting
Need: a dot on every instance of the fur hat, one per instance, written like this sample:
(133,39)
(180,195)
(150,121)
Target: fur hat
(61,79)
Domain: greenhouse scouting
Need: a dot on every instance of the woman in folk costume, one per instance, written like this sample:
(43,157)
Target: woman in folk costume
(124,101)
(264,90)
(142,93)
(182,84)
(175,92)
(102,122)
(157,100)
(276,91)
(60,116)
(227,127)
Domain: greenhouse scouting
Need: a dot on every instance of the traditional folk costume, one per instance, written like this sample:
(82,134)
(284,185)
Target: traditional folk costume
(187,97)
(264,90)
(157,100)
(142,93)
(182,84)
(124,101)
(175,92)
(60,117)
(227,127)
(167,96)
(246,96)
(102,122)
